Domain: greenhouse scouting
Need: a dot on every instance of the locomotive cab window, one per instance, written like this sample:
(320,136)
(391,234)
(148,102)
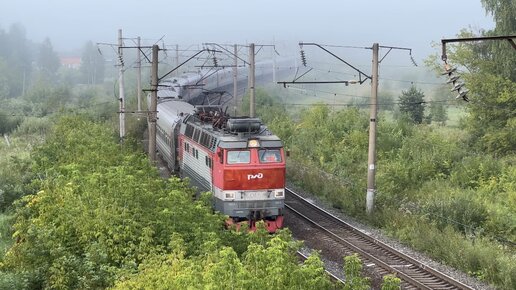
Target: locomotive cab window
(269,155)
(239,157)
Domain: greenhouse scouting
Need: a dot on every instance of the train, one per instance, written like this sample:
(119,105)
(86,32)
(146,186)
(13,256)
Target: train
(236,158)
(193,87)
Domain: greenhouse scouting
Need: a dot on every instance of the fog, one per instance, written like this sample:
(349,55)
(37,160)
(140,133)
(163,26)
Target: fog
(415,24)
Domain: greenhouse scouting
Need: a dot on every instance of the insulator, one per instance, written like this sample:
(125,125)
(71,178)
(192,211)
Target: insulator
(413,60)
(448,70)
(457,87)
(452,79)
(215,62)
(463,95)
(303,57)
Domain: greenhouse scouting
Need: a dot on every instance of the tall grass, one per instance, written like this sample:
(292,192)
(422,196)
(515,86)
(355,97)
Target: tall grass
(5,233)
(476,255)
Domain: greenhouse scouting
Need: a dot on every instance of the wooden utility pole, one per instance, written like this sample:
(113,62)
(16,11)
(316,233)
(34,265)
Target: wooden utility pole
(371,160)
(235,79)
(252,105)
(121,85)
(139,76)
(153,104)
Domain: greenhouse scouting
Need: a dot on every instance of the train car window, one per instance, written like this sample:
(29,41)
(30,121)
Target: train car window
(269,155)
(208,161)
(189,130)
(239,157)
(196,135)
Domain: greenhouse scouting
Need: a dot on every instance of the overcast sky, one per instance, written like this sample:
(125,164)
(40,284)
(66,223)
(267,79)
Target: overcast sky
(416,24)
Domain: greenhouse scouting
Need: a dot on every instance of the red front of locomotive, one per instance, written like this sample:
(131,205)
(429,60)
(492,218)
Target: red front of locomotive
(249,182)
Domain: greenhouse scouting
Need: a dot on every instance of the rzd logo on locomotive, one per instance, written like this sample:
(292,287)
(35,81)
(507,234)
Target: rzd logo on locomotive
(255,176)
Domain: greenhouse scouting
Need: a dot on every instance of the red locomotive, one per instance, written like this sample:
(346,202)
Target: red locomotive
(238,159)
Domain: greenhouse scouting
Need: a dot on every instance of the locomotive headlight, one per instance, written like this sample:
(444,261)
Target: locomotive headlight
(229,195)
(253,143)
(279,194)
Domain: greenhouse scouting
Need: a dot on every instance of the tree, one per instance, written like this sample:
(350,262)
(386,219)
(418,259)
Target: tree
(16,53)
(412,104)
(488,70)
(438,113)
(48,61)
(85,224)
(504,15)
(92,65)
(386,101)
(4,80)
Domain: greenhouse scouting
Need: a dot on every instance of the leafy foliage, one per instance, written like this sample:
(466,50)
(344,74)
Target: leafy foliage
(8,123)
(391,282)
(269,266)
(352,269)
(478,256)
(492,120)
(438,113)
(103,215)
(100,209)
(490,75)
(16,53)
(15,173)
(92,65)
(504,15)
(48,61)
(422,156)
(423,171)
(411,104)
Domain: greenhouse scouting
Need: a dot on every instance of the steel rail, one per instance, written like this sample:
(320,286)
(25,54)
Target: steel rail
(421,267)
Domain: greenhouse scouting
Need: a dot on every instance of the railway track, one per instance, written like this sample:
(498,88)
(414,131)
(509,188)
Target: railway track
(374,253)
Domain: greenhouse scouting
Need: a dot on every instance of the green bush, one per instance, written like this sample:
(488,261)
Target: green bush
(473,170)
(8,123)
(103,214)
(101,208)
(424,156)
(6,232)
(272,265)
(433,189)
(9,280)
(457,208)
(391,282)
(15,178)
(34,126)
(353,271)
(341,193)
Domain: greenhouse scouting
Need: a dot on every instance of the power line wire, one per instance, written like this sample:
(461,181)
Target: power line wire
(379,104)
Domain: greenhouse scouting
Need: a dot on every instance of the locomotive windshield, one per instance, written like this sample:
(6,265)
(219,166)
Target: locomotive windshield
(269,155)
(239,157)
